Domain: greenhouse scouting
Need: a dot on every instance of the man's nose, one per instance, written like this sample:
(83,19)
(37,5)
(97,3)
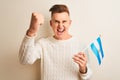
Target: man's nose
(60,25)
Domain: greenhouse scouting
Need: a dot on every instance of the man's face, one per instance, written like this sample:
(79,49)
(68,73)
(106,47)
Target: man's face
(60,23)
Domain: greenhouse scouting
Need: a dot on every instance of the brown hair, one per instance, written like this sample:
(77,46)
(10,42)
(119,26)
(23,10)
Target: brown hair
(59,8)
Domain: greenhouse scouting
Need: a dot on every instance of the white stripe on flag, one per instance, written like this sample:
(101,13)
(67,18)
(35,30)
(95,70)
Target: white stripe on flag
(98,48)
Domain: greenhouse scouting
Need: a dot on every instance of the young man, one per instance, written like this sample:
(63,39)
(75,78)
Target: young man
(60,54)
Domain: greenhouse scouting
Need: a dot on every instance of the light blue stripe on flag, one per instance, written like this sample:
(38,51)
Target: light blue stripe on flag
(97,49)
(100,45)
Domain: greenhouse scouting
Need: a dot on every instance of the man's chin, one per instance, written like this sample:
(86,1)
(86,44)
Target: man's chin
(59,37)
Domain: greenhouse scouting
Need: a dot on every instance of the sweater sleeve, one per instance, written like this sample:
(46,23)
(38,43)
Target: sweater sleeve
(29,51)
(87,75)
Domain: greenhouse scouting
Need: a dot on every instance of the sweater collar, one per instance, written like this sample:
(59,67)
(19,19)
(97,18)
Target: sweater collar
(61,41)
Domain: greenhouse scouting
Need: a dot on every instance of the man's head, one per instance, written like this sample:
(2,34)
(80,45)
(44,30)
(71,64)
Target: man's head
(60,21)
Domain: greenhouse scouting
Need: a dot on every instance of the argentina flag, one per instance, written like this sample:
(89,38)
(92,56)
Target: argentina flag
(96,47)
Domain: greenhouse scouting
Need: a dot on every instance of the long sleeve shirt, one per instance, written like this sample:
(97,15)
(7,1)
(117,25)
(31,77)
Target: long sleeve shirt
(56,57)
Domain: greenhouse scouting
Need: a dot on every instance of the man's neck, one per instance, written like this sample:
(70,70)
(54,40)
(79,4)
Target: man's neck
(65,37)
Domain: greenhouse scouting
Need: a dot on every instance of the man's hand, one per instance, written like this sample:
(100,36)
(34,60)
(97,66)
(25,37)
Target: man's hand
(81,60)
(36,20)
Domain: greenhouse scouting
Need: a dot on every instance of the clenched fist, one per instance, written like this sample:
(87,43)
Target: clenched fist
(36,20)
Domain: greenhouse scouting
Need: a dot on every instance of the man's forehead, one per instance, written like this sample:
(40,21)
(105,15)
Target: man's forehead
(60,16)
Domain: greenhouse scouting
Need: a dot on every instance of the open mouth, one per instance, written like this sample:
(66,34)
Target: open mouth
(60,30)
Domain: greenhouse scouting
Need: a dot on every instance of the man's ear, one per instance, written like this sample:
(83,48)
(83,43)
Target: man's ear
(50,22)
(70,22)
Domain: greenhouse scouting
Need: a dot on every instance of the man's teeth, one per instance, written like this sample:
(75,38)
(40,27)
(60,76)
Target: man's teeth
(60,30)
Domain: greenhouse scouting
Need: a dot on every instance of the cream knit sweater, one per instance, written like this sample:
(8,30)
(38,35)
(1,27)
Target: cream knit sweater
(56,57)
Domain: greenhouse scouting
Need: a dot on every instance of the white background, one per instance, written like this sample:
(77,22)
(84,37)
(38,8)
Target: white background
(89,19)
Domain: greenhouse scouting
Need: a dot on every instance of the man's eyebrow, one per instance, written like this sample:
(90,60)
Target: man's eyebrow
(64,20)
(56,20)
